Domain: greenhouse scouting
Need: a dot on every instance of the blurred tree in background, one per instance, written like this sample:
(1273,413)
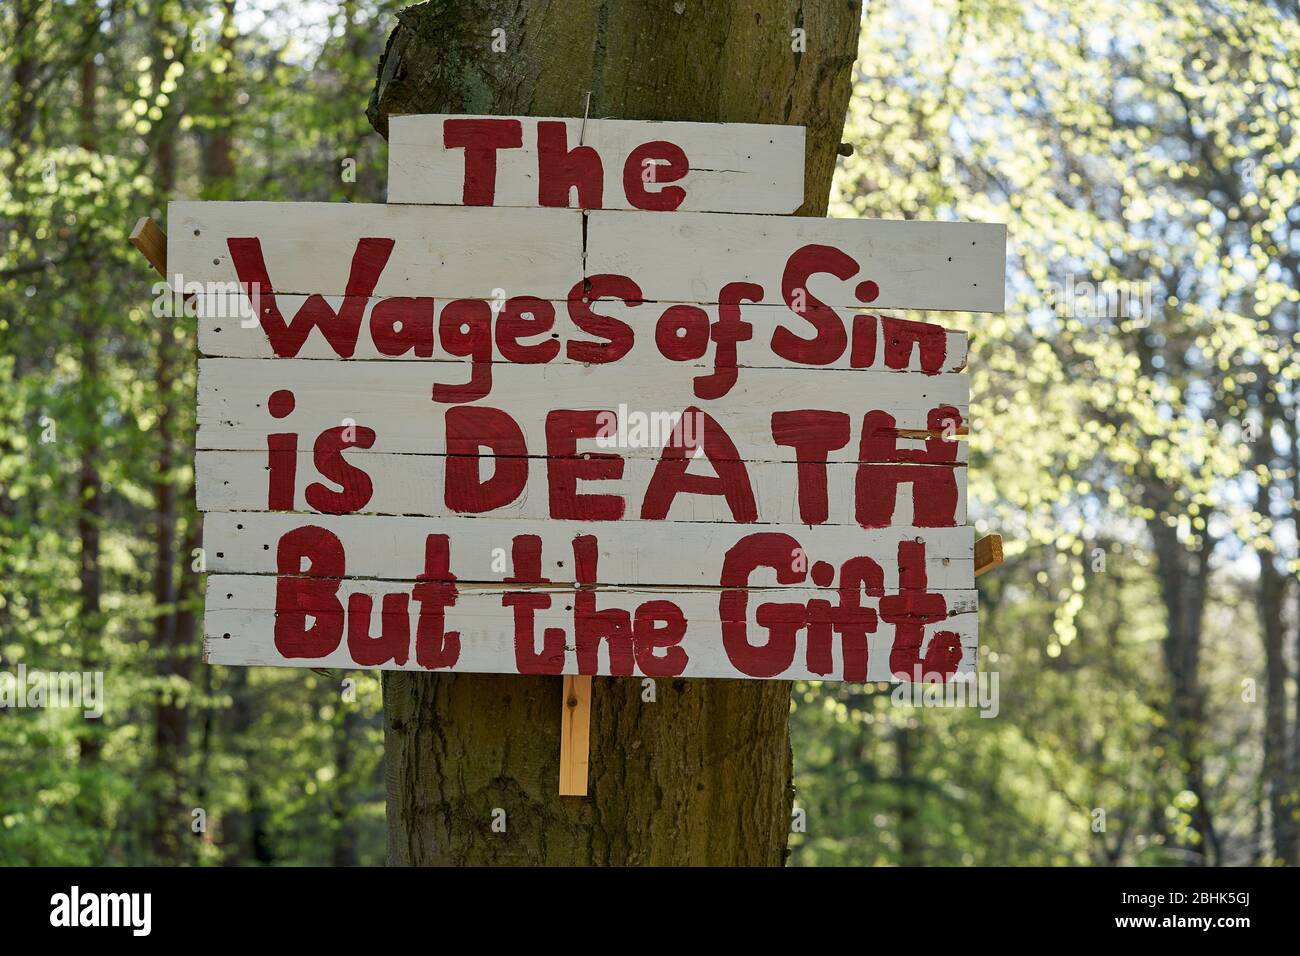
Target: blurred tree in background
(111,109)
(1142,463)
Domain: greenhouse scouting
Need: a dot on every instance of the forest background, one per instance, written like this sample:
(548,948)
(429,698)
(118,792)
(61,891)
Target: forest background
(1142,467)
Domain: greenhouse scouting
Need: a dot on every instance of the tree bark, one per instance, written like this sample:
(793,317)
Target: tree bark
(702,775)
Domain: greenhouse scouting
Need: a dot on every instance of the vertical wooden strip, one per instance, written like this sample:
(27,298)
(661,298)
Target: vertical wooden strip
(575,727)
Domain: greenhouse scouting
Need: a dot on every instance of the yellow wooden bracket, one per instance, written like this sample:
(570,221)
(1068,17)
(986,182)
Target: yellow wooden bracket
(148,237)
(575,730)
(988,553)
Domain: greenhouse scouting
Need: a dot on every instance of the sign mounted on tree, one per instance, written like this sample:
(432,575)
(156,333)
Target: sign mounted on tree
(616,422)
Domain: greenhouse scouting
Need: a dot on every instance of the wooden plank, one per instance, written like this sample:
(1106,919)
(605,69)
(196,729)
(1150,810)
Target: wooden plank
(415,485)
(455,252)
(733,167)
(395,400)
(689,257)
(565,550)
(575,730)
(627,553)
(239,628)
(988,553)
(452,252)
(151,241)
(228,328)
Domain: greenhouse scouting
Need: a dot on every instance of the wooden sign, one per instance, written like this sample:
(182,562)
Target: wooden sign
(595,164)
(624,435)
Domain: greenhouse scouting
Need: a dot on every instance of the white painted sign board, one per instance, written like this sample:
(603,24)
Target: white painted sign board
(595,164)
(613,422)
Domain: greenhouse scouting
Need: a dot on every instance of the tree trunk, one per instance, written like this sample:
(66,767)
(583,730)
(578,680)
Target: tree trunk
(20,123)
(702,775)
(909,795)
(89,503)
(218,155)
(23,118)
(245,840)
(1291,802)
(171,719)
(1184,577)
(1270,601)
(345,834)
